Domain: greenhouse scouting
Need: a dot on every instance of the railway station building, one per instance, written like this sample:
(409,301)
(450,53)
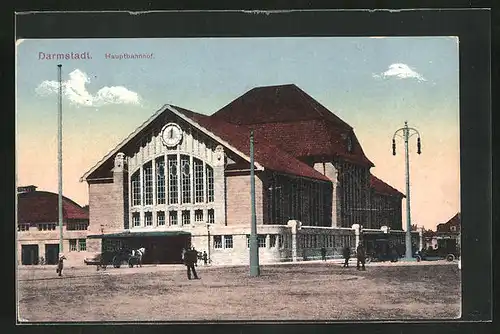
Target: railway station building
(183,178)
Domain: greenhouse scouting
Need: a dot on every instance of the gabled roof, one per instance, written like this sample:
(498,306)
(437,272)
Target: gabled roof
(381,187)
(453,221)
(266,153)
(275,104)
(234,137)
(42,206)
(127,142)
(292,120)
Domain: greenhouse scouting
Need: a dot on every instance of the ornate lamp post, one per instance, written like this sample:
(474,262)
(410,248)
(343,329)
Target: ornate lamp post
(405,133)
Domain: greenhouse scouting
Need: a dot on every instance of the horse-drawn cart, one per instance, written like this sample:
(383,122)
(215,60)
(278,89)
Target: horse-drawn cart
(116,258)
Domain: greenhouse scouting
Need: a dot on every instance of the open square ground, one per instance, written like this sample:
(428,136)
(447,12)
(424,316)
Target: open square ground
(307,291)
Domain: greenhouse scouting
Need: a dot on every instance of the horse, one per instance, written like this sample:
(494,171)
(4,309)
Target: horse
(138,254)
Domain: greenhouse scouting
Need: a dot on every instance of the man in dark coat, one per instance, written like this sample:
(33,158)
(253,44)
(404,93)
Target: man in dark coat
(190,258)
(323,253)
(205,258)
(346,252)
(60,264)
(361,255)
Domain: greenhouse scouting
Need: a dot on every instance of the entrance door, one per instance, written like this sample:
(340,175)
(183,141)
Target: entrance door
(29,254)
(51,253)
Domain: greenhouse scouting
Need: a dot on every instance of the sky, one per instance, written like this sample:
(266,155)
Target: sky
(374,84)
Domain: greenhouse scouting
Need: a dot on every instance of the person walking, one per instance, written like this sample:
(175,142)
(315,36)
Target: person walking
(346,252)
(205,258)
(190,258)
(60,264)
(323,253)
(361,255)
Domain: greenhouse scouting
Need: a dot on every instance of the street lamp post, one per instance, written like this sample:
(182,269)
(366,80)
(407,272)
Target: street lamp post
(405,133)
(254,250)
(59,159)
(208,242)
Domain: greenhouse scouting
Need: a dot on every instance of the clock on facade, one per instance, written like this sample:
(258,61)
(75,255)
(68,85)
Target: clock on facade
(171,134)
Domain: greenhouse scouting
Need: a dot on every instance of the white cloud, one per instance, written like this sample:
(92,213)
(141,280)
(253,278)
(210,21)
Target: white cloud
(400,71)
(75,90)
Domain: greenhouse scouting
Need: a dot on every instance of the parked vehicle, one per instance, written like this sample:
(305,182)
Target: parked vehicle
(447,249)
(117,258)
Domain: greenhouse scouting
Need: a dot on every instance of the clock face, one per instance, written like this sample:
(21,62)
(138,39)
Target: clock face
(171,134)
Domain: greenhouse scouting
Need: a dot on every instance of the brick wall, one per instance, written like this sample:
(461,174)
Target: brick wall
(106,211)
(238,199)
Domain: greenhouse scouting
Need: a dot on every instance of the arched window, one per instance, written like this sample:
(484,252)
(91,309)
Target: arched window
(172,180)
(160,180)
(173,187)
(136,189)
(148,183)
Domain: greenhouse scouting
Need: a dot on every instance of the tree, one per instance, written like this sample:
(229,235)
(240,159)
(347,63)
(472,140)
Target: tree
(414,227)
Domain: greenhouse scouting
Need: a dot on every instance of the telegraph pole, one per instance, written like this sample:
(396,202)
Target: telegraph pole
(254,246)
(407,132)
(59,159)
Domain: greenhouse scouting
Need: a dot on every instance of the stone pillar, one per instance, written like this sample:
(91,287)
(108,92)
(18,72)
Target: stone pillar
(120,177)
(357,230)
(295,225)
(219,186)
(421,238)
(329,170)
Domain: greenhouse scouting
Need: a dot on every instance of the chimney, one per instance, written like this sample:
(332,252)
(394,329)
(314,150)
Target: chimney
(26,189)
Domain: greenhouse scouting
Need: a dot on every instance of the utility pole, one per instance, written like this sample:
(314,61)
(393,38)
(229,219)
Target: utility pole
(405,133)
(59,159)
(254,246)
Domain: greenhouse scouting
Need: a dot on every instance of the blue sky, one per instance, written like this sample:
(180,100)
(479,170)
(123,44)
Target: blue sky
(345,74)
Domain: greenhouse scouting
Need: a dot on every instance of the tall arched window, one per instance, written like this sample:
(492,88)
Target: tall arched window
(160,180)
(179,185)
(136,189)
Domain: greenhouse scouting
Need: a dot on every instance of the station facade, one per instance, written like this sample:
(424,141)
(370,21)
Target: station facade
(183,179)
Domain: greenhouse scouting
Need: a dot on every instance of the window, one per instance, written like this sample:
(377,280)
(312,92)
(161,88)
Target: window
(160,218)
(198,216)
(148,183)
(136,189)
(228,241)
(173,190)
(160,181)
(185,180)
(23,227)
(77,226)
(272,240)
(186,217)
(261,240)
(136,219)
(72,245)
(217,241)
(148,218)
(210,184)
(172,218)
(82,245)
(46,227)
(198,181)
(211,216)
